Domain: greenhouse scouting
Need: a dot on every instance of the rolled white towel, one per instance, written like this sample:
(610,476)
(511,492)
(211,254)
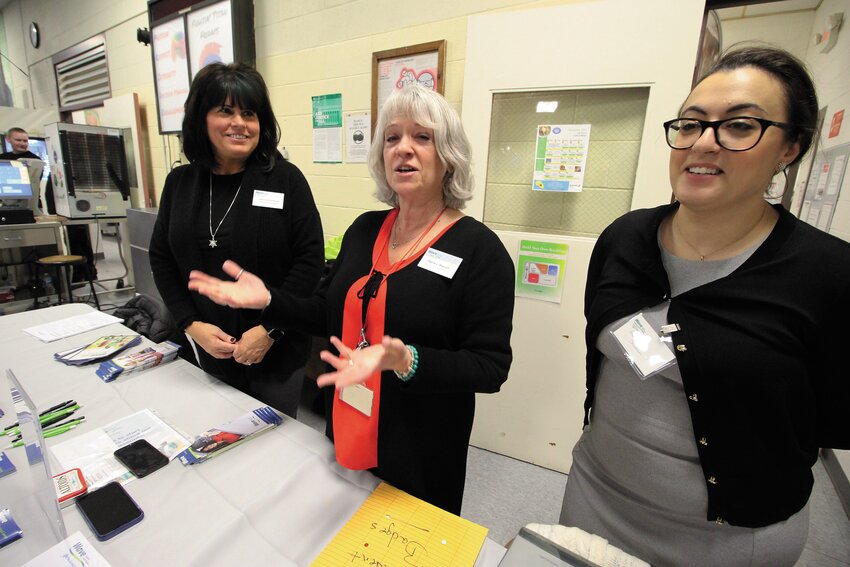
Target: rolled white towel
(589,546)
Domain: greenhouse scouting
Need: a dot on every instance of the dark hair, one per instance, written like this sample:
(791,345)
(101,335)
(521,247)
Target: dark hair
(211,88)
(801,101)
(16,130)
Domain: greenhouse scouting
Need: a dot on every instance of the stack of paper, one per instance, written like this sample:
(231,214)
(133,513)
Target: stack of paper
(103,348)
(217,440)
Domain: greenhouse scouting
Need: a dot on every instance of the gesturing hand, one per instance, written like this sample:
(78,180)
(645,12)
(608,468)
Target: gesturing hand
(355,366)
(247,291)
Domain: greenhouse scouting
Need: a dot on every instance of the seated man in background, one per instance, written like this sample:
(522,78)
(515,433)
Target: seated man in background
(79,240)
(20,141)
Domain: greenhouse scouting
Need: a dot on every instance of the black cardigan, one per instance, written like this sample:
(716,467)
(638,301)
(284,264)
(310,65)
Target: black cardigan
(462,329)
(760,353)
(284,247)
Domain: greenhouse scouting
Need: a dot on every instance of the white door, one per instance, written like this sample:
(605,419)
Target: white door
(614,60)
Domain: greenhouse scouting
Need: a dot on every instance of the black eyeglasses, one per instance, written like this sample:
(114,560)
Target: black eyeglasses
(736,134)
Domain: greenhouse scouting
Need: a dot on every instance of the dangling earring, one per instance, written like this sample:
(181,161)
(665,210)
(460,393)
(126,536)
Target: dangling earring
(779,168)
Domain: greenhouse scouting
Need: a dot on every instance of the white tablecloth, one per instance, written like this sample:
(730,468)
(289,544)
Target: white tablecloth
(276,500)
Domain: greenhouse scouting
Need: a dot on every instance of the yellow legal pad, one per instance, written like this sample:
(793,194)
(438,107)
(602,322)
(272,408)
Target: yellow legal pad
(395,529)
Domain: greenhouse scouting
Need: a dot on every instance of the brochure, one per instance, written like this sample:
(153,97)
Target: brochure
(6,466)
(74,550)
(9,529)
(102,348)
(219,439)
(134,362)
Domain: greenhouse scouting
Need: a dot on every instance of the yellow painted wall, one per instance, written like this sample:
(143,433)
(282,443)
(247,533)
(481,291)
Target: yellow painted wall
(304,48)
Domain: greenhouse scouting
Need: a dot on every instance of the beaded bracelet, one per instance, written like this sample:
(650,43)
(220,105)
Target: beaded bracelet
(414,365)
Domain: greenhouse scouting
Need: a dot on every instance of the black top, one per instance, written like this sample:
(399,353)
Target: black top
(760,353)
(12,155)
(462,330)
(283,246)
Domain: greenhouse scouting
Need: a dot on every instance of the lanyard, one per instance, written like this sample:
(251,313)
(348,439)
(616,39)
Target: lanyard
(370,289)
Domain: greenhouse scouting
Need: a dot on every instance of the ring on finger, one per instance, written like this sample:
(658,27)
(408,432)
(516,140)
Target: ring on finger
(239,274)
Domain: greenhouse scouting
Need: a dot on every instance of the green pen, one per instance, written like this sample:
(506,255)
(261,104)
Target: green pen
(59,430)
(73,421)
(52,432)
(63,411)
(47,418)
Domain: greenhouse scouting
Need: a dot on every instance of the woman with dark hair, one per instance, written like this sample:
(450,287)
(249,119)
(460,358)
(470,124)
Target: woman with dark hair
(422,299)
(237,199)
(701,454)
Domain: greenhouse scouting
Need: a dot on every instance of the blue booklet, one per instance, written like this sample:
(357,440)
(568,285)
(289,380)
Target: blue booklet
(226,436)
(9,529)
(6,466)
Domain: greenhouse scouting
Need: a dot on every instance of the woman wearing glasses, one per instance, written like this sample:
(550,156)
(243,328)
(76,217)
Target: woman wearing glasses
(701,454)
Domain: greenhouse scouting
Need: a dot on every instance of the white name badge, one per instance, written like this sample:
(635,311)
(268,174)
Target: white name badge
(440,263)
(359,397)
(268,199)
(645,350)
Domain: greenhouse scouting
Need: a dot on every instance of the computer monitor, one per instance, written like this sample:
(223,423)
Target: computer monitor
(15,185)
(38,146)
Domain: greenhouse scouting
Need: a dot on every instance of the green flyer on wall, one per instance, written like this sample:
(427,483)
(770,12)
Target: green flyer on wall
(327,128)
(540,270)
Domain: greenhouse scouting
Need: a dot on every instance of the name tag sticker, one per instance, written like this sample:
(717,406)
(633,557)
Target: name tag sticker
(644,349)
(440,263)
(359,397)
(268,199)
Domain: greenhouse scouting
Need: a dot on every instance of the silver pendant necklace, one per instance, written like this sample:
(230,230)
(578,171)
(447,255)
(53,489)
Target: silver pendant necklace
(213,241)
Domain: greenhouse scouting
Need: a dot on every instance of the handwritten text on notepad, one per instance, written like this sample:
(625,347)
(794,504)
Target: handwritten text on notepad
(394,529)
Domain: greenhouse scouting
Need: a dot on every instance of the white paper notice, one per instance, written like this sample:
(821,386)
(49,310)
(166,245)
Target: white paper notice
(825,217)
(73,550)
(92,451)
(836,175)
(358,135)
(327,145)
(49,332)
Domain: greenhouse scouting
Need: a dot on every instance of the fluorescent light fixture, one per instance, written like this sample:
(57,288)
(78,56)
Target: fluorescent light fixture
(547,106)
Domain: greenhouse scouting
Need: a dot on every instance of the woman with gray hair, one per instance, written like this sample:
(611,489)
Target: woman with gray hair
(421,297)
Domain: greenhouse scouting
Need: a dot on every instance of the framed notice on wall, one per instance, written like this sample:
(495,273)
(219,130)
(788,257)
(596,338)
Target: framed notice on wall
(186,36)
(394,68)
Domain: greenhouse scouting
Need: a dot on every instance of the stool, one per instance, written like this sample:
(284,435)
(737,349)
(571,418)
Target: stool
(63,262)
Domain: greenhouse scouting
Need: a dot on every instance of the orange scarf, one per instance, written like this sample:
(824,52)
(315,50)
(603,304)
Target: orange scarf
(356,434)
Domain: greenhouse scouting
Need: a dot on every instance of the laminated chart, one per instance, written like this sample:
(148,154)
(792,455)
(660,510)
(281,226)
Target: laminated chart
(395,529)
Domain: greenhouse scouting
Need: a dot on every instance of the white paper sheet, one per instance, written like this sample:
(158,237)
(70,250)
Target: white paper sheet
(92,451)
(49,332)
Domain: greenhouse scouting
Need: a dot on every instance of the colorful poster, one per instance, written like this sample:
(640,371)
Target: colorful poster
(358,137)
(210,36)
(560,157)
(327,128)
(171,69)
(540,270)
(393,74)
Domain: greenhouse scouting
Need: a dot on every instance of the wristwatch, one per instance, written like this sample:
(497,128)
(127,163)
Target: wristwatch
(275,334)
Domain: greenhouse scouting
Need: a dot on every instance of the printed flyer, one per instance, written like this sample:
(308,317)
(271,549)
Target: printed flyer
(540,270)
(560,157)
